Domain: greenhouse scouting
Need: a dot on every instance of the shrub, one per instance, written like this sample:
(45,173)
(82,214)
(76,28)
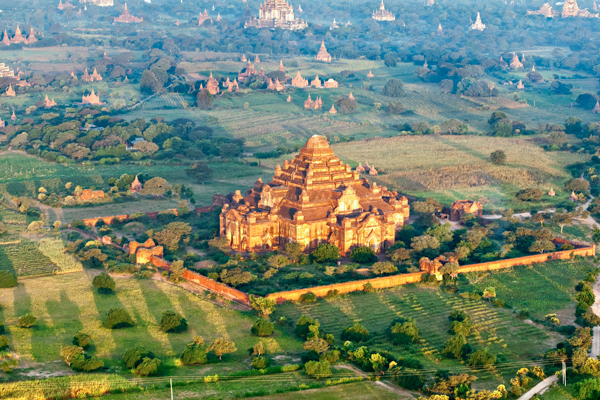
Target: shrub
(1,326)
(262,327)
(481,358)
(27,321)
(317,369)
(325,253)
(104,284)
(460,316)
(355,333)
(82,340)
(498,157)
(403,332)
(331,356)
(4,342)
(393,88)
(303,324)
(118,318)
(85,363)
(172,322)
(310,355)
(409,379)
(195,353)
(368,288)
(530,195)
(384,267)
(363,255)
(455,347)
(260,362)
(308,298)
(7,280)
(134,357)
(148,367)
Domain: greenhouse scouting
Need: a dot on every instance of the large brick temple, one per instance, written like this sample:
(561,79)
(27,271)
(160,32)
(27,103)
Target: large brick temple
(315,198)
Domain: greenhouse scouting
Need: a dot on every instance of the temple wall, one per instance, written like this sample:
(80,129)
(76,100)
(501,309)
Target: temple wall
(217,287)
(91,222)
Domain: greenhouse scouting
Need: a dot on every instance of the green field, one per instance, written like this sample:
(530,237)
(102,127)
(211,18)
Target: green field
(67,304)
(25,260)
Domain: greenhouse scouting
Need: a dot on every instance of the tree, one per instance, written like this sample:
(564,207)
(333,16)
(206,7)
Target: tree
(558,138)
(577,185)
(404,331)
(588,389)
(7,280)
(562,219)
(146,147)
(278,261)
(262,327)
(149,84)
(454,347)
(541,245)
(82,340)
(461,328)
(104,283)
(27,321)
(529,195)
(446,85)
(424,242)
(4,342)
(68,353)
(204,100)
(317,369)
(264,306)
(172,322)
(221,346)
(294,250)
(399,255)
(390,60)
(346,105)
(489,293)
(200,172)
(177,270)
(393,88)
(395,108)
(155,187)
(450,268)
(195,353)
(149,367)
(573,125)
(356,333)
(538,218)
(496,117)
(85,363)
(118,318)
(384,267)
(363,255)
(557,87)
(325,253)
(481,358)
(236,277)
(316,344)
(134,357)
(303,326)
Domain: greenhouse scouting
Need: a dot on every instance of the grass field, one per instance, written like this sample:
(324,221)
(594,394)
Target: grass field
(352,391)
(553,284)
(456,167)
(25,260)
(66,304)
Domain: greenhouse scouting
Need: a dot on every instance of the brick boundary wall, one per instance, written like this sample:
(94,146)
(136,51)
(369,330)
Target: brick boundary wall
(403,279)
(91,222)
(216,287)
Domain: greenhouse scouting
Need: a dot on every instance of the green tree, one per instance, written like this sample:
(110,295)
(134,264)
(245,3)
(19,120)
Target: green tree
(195,353)
(278,261)
(325,253)
(317,369)
(454,347)
(577,185)
(363,255)
(390,60)
(262,327)
(27,321)
(538,218)
(149,367)
(346,105)
(69,353)
(498,157)
(450,268)
(424,242)
(384,267)
(529,195)
(481,358)
(4,342)
(177,270)
(134,357)
(200,172)
(393,88)
(236,276)
(356,333)
(294,250)
(104,283)
(204,100)
(316,344)
(149,84)
(303,326)
(541,245)
(404,331)
(172,322)
(117,318)
(573,125)
(562,219)
(221,346)
(497,116)
(489,293)
(83,340)
(264,306)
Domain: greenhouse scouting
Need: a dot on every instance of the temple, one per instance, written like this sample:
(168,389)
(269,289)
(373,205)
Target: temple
(382,14)
(333,110)
(515,63)
(275,85)
(10,92)
(313,105)
(49,103)
(315,198)
(91,78)
(91,99)
(212,85)
(570,9)
(5,71)
(65,6)
(203,18)
(99,3)
(596,109)
(323,55)
(127,18)
(330,84)
(247,72)
(299,81)
(460,208)
(276,14)
(520,85)
(478,25)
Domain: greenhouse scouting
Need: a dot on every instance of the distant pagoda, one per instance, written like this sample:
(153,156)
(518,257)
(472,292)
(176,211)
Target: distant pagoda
(276,14)
(570,9)
(99,3)
(478,25)
(65,6)
(247,72)
(127,18)
(515,63)
(323,55)
(299,81)
(10,92)
(49,103)
(596,109)
(383,15)
(440,31)
(203,18)
(91,99)
(212,85)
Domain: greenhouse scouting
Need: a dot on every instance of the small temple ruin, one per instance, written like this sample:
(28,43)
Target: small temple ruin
(127,18)
(99,3)
(299,81)
(203,18)
(313,105)
(382,14)
(10,92)
(276,14)
(212,85)
(313,199)
(515,63)
(460,208)
(19,37)
(247,72)
(91,99)
(478,25)
(49,103)
(323,55)
(570,9)
(65,6)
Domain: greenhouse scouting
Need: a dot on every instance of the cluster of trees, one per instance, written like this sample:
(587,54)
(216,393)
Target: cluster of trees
(585,299)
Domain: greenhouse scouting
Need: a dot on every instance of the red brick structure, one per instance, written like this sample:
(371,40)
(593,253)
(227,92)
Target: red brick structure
(89,194)
(145,255)
(216,287)
(461,207)
(134,246)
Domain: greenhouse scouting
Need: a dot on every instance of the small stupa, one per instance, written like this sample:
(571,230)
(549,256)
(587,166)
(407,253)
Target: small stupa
(573,196)
(333,110)
(370,75)
(520,84)
(289,99)
(596,109)
(551,192)
(350,96)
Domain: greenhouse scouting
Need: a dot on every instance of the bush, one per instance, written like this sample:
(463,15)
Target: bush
(149,366)
(317,369)
(308,298)
(27,321)
(356,333)
(393,88)
(7,280)
(85,363)
(325,253)
(403,332)
(302,326)
(530,195)
(384,267)
(498,157)
(331,356)
(104,283)
(82,340)
(481,358)
(310,355)
(262,327)
(455,347)
(260,362)
(118,318)
(171,322)
(4,342)
(194,354)
(409,379)
(363,255)
(134,357)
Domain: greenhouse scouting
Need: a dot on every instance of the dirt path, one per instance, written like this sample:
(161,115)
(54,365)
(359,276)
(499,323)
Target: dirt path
(392,388)
(595,351)
(539,388)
